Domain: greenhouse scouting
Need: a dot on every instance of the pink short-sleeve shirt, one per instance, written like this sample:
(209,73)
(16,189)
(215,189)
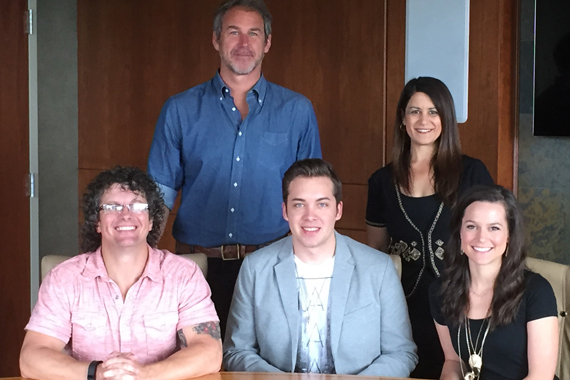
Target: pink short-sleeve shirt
(81,306)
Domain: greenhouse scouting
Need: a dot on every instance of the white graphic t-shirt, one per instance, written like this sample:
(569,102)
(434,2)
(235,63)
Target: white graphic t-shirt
(313,285)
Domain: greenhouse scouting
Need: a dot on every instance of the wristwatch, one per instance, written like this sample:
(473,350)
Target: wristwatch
(92,370)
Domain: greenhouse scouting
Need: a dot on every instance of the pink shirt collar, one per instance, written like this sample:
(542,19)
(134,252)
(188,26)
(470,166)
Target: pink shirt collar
(95,267)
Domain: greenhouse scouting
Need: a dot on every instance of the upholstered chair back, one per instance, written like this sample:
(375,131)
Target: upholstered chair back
(559,277)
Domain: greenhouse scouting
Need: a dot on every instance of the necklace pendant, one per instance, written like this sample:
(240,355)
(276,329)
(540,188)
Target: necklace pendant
(475,361)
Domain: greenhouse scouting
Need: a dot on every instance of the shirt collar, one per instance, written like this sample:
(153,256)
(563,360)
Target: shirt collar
(259,89)
(95,267)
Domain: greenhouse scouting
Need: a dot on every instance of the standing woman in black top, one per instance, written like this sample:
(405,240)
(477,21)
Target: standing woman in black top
(409,202)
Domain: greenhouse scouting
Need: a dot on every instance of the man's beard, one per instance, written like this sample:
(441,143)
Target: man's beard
(234,68)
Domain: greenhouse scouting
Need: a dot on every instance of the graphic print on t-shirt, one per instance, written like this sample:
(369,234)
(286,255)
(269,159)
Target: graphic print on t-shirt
(313,284)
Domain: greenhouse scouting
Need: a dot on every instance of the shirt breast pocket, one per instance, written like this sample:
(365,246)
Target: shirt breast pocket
(274,147)
(89,334)
(160,330)
(275,138)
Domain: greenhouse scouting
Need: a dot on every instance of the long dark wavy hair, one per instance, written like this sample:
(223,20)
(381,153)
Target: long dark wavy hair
(456,278)
(129,178)
(446,160)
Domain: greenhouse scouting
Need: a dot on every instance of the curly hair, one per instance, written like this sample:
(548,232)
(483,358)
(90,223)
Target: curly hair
(446,160)
(456,278)
(129,178)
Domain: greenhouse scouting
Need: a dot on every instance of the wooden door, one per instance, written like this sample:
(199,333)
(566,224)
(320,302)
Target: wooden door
(14,164)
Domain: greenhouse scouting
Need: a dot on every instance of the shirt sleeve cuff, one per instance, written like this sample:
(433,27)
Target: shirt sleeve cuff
(168,195)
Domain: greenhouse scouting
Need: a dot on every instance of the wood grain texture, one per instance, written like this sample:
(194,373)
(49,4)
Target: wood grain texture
(132,56)
(395,60)
(14,166)
(334,55)
(354,209)
(489,132)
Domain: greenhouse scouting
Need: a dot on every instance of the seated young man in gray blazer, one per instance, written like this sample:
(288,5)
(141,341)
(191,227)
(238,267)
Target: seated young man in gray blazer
(318,301)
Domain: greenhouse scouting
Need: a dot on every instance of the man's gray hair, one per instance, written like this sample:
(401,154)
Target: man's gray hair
(253,5)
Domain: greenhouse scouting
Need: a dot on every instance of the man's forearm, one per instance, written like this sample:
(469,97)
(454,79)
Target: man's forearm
(47,364)
(200,358)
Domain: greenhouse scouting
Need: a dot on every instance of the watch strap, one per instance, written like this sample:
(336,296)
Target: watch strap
(92,370)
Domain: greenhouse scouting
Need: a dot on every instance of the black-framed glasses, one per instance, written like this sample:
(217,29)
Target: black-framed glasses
(136,208)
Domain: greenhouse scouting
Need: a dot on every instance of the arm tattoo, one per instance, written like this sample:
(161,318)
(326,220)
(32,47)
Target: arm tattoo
(182,338)
(211,328)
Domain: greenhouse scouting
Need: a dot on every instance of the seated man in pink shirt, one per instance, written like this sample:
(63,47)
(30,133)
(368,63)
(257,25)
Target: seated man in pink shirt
(125,310)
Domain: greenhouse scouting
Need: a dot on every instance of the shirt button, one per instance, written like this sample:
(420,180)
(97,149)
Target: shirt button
(116,297)
(221,98)
(233,108)
(237,159)
(235,184)
(259,101)
(232,209)
(239,133)
(230,234)
(227,90)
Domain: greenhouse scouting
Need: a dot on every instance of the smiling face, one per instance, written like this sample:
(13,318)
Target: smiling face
(125,228)
(311,211)
(242,43)
(484,233)
(422,120)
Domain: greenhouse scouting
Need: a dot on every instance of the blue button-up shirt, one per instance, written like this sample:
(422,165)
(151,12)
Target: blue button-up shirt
(230,170)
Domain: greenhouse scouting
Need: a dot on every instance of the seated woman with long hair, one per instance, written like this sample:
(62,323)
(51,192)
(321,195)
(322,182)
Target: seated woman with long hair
(495,318)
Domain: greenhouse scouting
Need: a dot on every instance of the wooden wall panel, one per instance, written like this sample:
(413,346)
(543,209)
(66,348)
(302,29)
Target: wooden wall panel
(132,56)
(488,133)
(354,209)
(395,70)
(14,168)
(507,141)
(334,55)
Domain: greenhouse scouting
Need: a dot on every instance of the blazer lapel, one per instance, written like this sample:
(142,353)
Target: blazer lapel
(340,284)
(287,285)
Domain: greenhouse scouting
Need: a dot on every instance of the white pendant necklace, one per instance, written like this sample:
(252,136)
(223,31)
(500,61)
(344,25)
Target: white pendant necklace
(475,357)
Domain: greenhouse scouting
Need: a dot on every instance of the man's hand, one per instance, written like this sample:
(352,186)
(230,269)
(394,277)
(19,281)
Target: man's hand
(119,366)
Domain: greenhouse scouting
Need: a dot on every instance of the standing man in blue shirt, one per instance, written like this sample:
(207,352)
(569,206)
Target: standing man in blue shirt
(226,144)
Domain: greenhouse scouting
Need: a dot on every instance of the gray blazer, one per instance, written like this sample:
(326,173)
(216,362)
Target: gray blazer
(370,330)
